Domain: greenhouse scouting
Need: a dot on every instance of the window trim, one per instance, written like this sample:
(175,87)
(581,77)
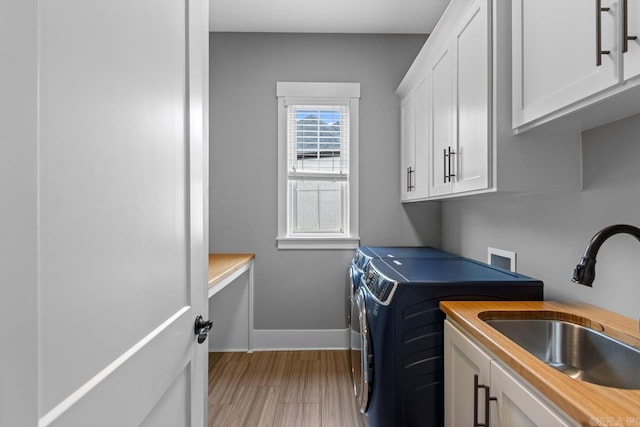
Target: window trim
(318,93)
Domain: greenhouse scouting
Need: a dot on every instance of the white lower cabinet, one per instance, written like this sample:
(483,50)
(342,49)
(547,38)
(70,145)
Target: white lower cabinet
(462,361)
(474,380)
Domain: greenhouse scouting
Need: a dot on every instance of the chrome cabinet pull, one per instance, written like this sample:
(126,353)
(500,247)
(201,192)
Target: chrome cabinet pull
(487,398)
(599,51)
(625,26)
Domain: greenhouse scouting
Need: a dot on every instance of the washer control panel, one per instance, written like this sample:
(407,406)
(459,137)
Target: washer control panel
(360,260)
(381,287)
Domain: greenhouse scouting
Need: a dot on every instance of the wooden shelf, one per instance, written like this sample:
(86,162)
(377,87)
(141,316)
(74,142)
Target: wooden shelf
(222,266)
(224,269)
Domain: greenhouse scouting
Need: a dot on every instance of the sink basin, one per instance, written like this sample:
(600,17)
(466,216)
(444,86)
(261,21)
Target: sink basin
(575,350)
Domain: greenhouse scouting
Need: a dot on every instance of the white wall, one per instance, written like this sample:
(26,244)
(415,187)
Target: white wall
(550,231)
(305,289)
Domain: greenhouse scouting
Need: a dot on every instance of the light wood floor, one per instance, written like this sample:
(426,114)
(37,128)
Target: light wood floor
(282,389)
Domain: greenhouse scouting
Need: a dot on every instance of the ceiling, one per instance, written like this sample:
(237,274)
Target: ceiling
(326,16)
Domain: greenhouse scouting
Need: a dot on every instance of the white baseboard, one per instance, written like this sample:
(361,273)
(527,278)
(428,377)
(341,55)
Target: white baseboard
(312,339)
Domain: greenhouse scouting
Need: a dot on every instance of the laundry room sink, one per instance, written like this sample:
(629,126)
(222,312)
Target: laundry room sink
(573,349)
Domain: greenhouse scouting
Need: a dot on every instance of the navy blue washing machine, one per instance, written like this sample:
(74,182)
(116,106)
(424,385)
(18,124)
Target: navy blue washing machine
(393,252)
(364,254)
(361,259)
(399,373)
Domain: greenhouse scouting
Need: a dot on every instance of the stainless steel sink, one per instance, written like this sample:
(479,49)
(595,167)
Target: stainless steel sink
(575,350)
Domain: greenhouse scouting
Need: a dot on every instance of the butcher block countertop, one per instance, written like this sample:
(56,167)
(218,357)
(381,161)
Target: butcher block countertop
(222,266)
(588,404)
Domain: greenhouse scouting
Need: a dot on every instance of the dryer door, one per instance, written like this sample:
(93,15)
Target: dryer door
(361,355)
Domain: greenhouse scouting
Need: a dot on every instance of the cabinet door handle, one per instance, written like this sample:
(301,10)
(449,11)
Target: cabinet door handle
(410,185)
(411,171)
(444,165)
(448,155)
(487,398)
(599,51)
(411,178)
(451,154)
(408,179)
(625,25)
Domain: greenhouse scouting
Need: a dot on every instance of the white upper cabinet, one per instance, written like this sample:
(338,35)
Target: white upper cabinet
(631,33)
(407,145)
(465,126)
(471,56)
(414,155)
(459,120)
(420,181)
(558,54)
(569,55)
(441,122)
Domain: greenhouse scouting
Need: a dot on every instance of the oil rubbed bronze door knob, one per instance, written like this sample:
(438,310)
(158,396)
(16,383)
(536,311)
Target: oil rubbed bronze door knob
(202,328)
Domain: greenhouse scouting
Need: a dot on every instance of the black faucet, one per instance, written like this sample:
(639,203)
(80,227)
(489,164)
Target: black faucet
(585,272)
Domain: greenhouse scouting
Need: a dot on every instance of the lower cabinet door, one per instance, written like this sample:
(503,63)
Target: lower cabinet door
(463,361)
(517,405)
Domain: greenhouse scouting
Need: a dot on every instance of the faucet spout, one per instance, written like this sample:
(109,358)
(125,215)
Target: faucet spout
(585,272)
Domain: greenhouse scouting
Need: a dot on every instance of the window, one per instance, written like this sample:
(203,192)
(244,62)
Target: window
(317,165)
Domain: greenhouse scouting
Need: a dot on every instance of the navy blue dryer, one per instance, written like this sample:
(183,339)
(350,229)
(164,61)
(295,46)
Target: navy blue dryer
(399,374)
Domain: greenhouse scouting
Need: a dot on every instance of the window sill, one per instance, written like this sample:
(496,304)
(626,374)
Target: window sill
(318,242)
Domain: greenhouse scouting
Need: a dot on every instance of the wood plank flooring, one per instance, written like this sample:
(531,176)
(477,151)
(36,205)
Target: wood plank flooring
(282,389)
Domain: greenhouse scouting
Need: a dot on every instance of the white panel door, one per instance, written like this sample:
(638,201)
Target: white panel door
(471,65)
(407,145)
(441,122)
(632,54)
(119,202)
(555,53)
(462,360)
(420,179)
(517,406)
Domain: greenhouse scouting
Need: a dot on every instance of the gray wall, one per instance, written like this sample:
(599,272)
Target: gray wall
(305,289)
(550,231)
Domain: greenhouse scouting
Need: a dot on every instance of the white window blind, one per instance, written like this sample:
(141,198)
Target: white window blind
(318,141)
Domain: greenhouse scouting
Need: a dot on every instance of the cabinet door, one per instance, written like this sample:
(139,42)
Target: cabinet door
(517,406)
(462,360)
(555,54)
(632,54)
(471,94)
(407,146)
(420,177)
(441,117)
